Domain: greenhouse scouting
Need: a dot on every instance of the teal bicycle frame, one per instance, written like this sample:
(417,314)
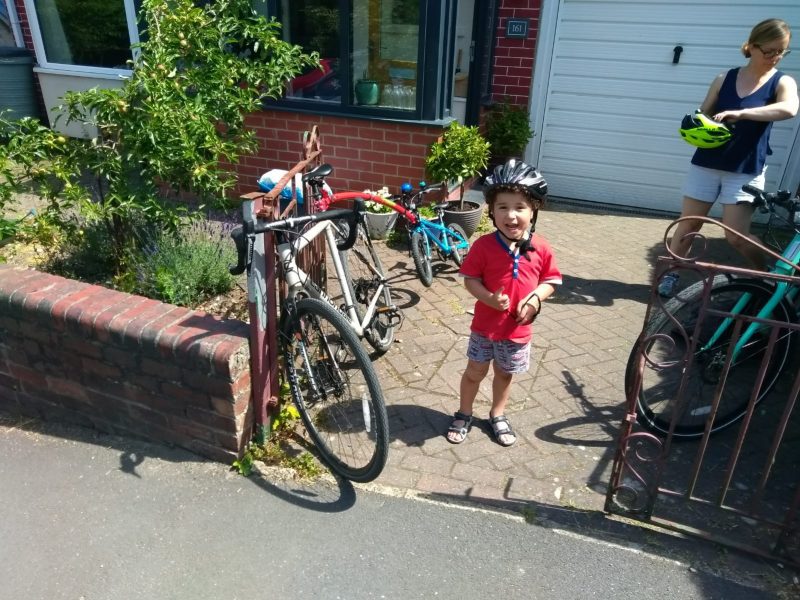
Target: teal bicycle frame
(783,290)
(437,233)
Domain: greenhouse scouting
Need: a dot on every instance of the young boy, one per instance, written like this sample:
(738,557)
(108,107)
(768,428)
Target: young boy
(510,272)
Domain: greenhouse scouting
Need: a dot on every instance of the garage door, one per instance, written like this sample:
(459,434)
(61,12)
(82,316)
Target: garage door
(608,95)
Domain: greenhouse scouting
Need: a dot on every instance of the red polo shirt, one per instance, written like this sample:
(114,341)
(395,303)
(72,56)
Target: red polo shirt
(490,260)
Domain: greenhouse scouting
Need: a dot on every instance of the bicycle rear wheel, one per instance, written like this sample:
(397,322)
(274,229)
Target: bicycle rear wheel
(420,252)
(335,390)
(365,274)
(667,350)
(458,254)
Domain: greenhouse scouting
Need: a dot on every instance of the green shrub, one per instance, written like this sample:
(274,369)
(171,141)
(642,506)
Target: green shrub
(185,268)
(508,130)
(179,118)
(461,153)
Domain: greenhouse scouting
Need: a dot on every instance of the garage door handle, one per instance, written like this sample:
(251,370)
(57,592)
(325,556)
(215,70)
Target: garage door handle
(676,54)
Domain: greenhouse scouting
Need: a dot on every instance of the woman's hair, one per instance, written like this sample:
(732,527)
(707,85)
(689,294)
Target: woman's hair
(765,32)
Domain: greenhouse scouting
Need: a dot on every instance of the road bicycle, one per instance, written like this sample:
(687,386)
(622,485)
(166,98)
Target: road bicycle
(331,378)
(367,285)
(703,354)
(427,235)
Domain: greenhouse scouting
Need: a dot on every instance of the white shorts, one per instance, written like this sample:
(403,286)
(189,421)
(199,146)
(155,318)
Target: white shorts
(712,185)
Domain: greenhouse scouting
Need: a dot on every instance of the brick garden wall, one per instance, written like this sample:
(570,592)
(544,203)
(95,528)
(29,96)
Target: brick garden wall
(124,364)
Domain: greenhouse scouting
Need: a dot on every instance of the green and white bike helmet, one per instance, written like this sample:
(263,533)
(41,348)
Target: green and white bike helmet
(698,130)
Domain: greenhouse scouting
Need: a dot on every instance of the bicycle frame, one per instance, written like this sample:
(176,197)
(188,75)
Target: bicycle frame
(437,233)
(783,290)
(299,281)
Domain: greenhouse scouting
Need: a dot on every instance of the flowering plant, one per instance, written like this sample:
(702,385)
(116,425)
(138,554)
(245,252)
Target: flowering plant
(377,207)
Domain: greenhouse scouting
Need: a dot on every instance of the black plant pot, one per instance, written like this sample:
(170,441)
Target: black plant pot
(469,218)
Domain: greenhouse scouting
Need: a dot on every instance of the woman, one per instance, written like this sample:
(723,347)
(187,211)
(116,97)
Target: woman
(752,97)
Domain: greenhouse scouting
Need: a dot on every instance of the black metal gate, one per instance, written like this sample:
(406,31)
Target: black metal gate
(740,485)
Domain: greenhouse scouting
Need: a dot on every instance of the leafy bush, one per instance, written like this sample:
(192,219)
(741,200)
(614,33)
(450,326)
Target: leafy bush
(177,119)
(508,130)
(459,154)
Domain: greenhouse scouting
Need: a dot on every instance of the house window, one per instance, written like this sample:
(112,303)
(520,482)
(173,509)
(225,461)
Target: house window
(86,33)
(371,53)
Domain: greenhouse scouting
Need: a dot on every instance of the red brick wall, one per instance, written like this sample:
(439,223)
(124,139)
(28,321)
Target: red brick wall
(23,21)
(514,57)
(75,352)
(364,153)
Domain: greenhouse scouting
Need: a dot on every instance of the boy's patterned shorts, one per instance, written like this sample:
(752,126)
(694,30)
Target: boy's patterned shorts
(511,357)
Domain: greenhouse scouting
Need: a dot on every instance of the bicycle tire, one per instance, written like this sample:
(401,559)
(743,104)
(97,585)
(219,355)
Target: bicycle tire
(336,390)
(422,258)
(456,254)
(364,272)
(655,405)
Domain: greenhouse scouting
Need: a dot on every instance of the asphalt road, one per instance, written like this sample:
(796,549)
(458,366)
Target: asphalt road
(91,517)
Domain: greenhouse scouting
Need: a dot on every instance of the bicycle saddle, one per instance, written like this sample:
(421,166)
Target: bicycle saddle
(319,172)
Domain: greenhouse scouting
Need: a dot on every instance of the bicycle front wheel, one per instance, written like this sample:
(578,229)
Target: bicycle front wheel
(457,254)
(420,252)
(669,342)
(364,274)
(336,390)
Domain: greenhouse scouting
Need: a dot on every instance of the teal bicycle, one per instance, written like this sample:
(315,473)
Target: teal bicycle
(429,235)
(702,355)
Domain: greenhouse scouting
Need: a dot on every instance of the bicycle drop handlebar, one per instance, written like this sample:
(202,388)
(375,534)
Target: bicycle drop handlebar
(243,235)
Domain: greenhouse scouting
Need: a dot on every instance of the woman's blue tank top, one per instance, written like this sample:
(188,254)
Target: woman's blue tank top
(747,150)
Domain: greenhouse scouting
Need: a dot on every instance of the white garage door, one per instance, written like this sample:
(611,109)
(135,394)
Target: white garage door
(607,98)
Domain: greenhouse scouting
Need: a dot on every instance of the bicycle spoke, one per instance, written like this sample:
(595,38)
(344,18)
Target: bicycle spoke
(336,391)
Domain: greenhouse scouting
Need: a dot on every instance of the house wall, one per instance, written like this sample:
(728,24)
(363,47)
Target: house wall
(514,57)
(80,353)
(365,154)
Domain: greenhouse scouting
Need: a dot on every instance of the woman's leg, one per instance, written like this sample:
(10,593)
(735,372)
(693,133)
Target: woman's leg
(680,242)
(739,217)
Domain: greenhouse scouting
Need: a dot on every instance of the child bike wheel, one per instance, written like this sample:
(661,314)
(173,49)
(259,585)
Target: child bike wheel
(458,254)
(336,390)
(420,252)
(667,342)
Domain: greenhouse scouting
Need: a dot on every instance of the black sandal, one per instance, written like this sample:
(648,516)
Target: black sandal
(463,430)
(500,427)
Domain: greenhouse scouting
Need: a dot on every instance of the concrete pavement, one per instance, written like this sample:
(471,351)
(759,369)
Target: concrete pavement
(88,516)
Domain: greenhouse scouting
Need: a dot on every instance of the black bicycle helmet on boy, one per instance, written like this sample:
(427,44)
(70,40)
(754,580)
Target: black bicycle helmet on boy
(698,130)
(517,174)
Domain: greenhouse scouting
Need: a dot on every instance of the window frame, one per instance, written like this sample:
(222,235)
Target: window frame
(131,8)
(436,43)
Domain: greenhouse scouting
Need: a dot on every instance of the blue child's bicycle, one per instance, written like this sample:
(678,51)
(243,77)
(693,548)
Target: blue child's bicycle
(705,353)
(429,235)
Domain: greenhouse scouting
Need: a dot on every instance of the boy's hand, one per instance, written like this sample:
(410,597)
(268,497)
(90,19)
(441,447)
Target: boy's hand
(499,300)
(527,311)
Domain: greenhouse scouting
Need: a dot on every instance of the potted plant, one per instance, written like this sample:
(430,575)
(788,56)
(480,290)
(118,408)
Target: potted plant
(508,131)
(459,154)
(366,90)
(379,218)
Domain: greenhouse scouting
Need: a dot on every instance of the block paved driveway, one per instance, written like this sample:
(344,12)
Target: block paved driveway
(566,410)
